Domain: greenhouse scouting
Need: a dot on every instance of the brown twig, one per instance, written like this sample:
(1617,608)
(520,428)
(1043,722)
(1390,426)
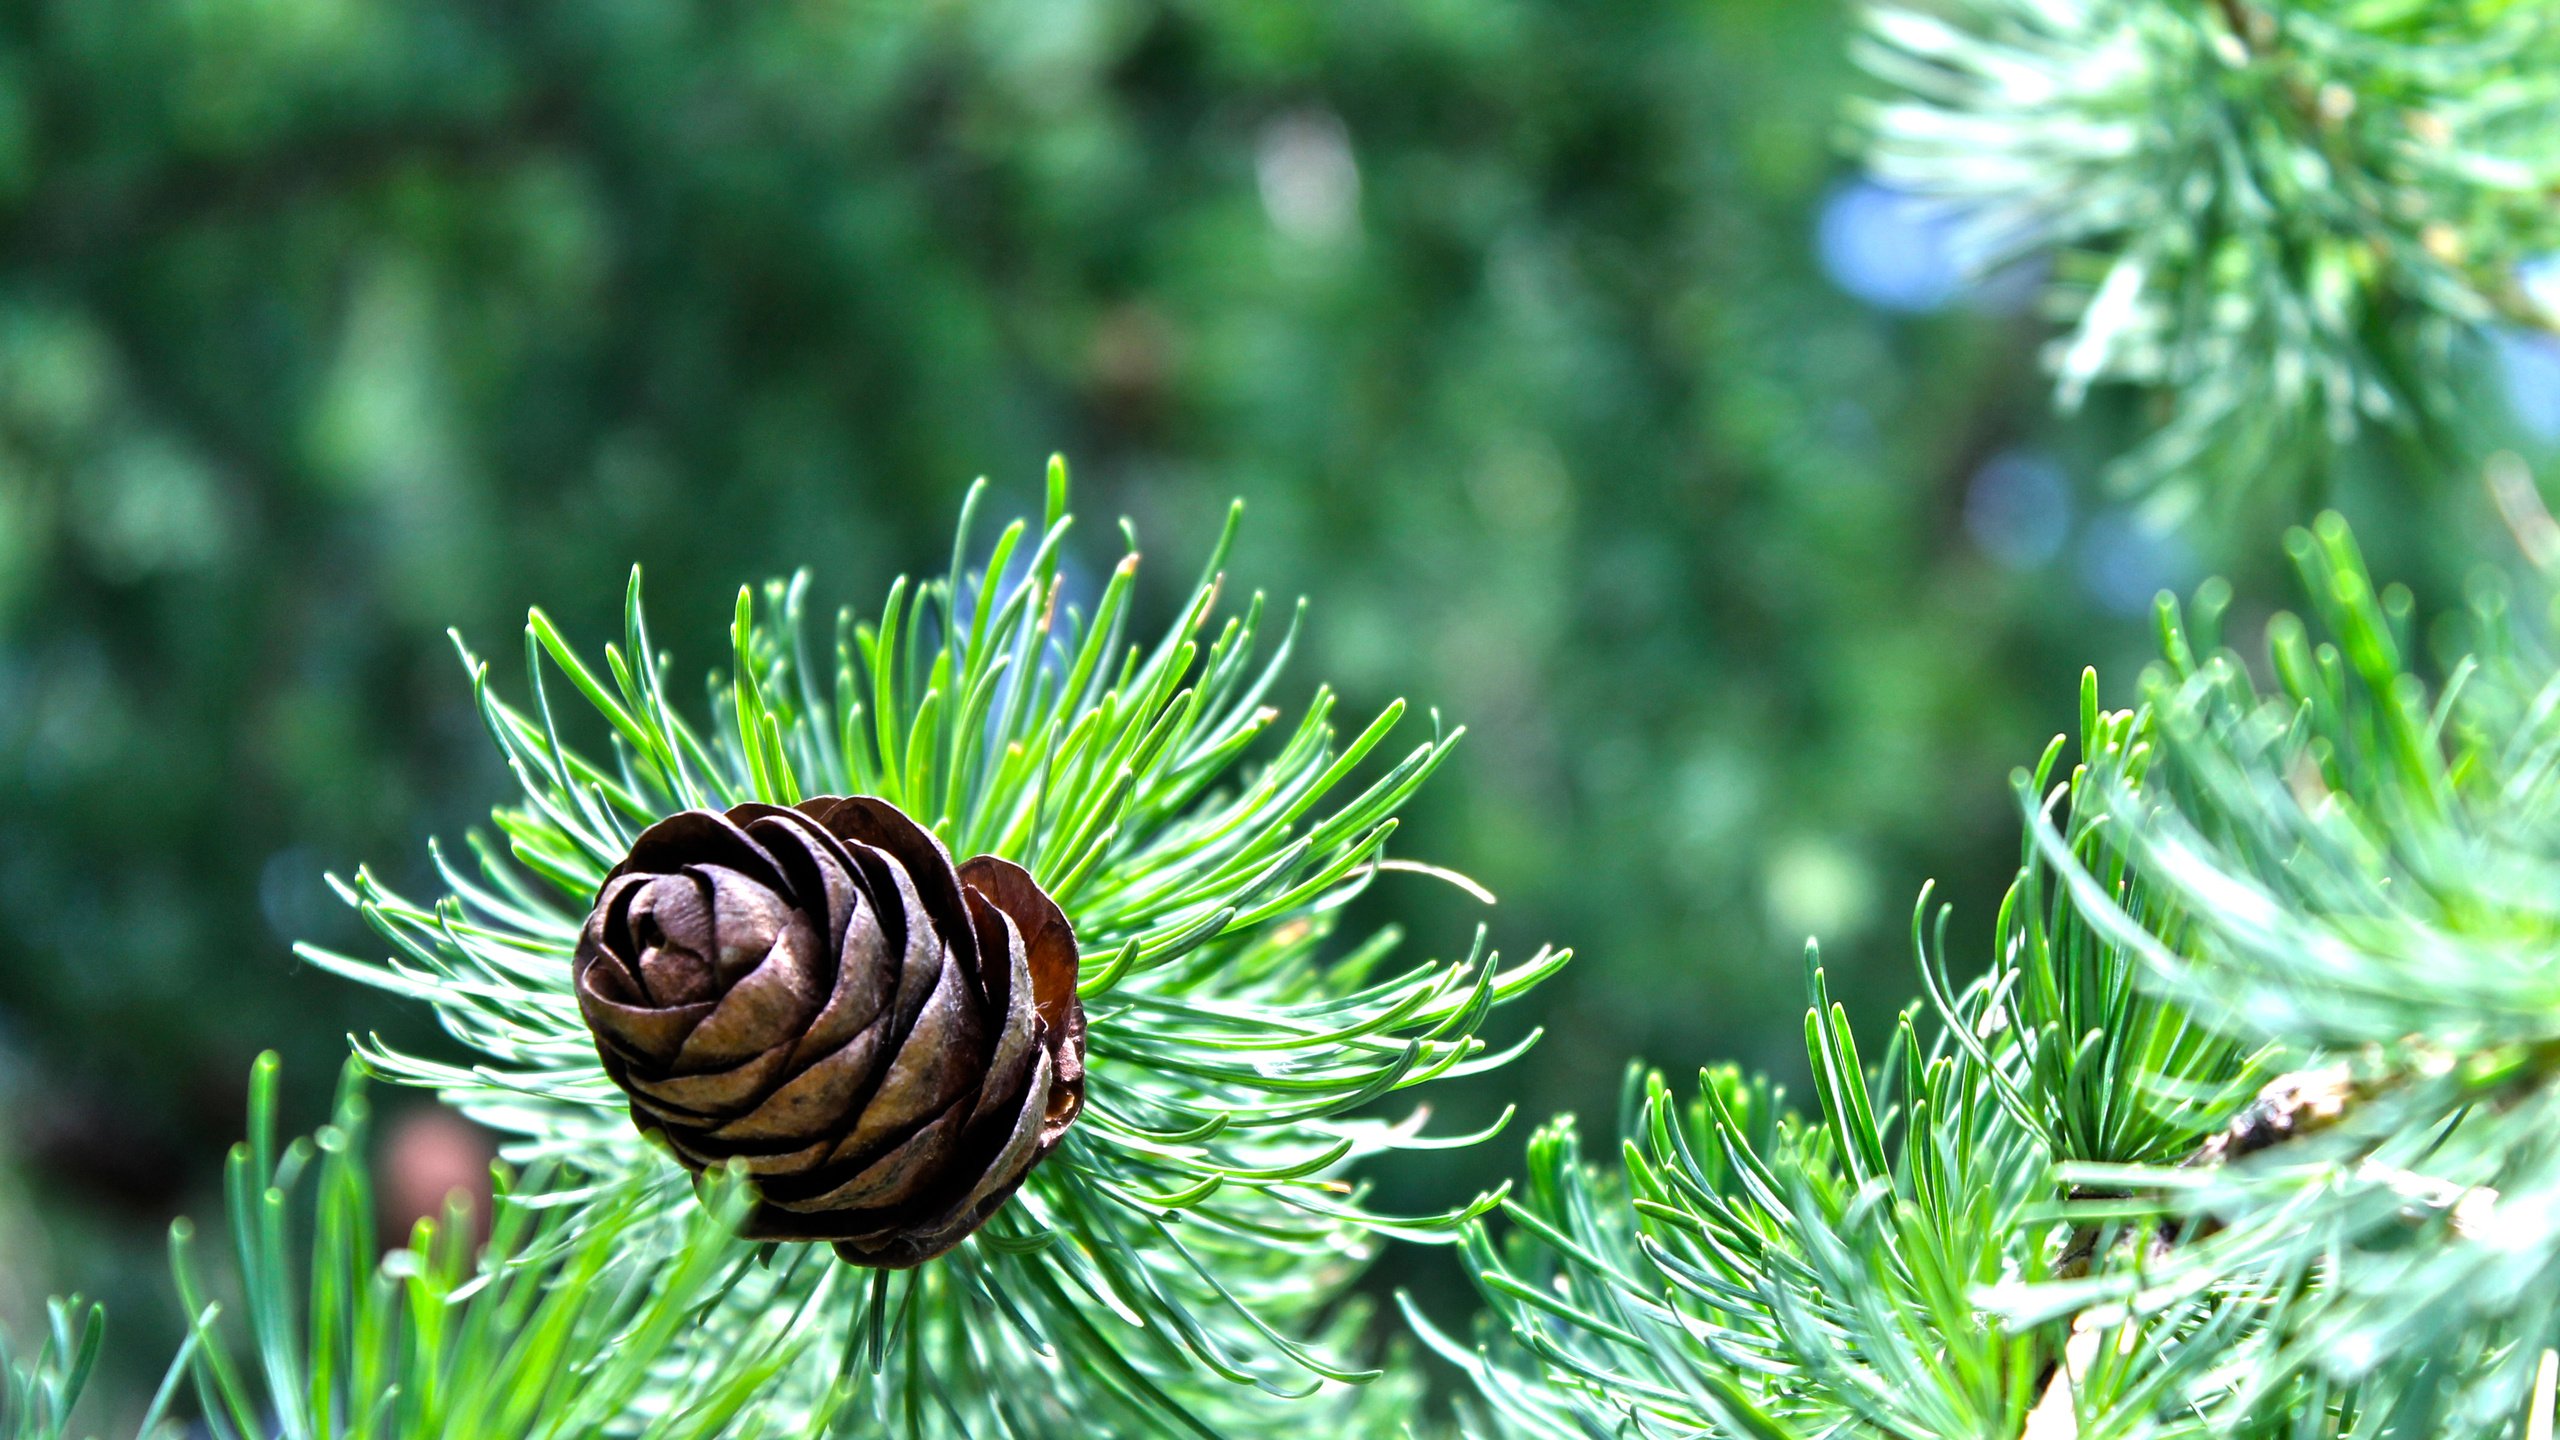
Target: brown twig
(2292,1105)
(2287,1108)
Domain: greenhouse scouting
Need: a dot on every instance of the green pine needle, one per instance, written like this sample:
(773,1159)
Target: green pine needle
(1748,1271)
(571,1321)
(1744,1270)
(2371,847)
(1189,1237)
(38,1392)
(2058,1218)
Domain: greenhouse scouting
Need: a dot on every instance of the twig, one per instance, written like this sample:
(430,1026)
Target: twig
(2294,1104)
(2287,1108)
(2298,1103)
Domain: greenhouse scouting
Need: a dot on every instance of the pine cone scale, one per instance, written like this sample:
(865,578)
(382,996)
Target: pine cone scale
(636,1034)
(1029,1131)
(704,1099)
(1050,964)
(770,1006)
(878,1184)
(812,1101)
(886,1042)
(818,870)
(699,837)
(1015,1049)
(941,1059)
(892,1176)
(887,832)
(1049,949)
(861,995)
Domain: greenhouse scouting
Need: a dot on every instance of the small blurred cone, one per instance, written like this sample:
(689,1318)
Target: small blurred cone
(427,1155)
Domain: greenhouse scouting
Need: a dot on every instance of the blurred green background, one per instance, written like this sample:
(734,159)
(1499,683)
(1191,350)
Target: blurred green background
(1560,355)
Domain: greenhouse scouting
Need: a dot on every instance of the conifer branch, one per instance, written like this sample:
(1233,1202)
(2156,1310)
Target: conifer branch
(2270,1037)
(2361,844)
(2282,222)
(1184,1247)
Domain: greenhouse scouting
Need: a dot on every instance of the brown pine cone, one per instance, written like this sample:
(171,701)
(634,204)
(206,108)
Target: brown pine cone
(888,1042)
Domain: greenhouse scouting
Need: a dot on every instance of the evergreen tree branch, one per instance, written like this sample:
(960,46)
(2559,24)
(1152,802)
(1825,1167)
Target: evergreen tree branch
(2367,851)
(1186,1245)
(2283,221)
(2269,1037)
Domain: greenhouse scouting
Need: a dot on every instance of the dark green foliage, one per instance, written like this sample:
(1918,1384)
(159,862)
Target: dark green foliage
(326,325)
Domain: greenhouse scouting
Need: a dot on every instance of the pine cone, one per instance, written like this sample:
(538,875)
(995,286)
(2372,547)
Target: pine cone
(888,1043)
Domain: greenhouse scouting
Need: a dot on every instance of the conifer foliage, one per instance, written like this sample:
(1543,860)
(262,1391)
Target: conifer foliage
(2280,221)
(2248,1125)
(1181,1248)
(2246,1130)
